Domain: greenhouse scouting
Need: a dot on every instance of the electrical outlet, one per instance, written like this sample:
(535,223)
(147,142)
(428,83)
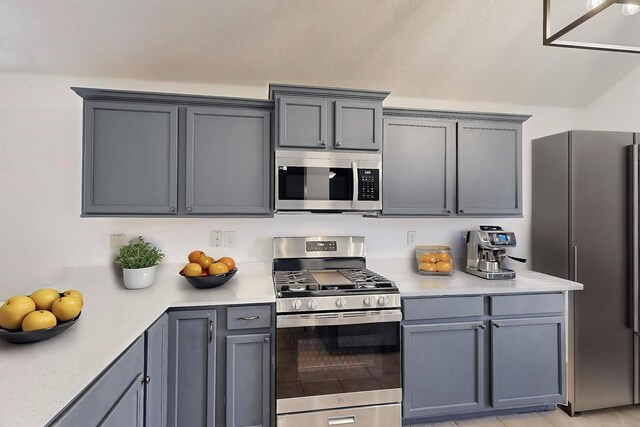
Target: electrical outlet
(229,239)
(117,240)
(412,236)
(215,239)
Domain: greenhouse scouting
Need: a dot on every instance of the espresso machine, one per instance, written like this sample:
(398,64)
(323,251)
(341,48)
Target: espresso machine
(487,250)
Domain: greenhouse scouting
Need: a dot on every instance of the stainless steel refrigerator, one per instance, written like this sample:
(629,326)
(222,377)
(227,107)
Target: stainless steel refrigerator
(585,228)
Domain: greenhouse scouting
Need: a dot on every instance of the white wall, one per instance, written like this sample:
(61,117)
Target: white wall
(40,174)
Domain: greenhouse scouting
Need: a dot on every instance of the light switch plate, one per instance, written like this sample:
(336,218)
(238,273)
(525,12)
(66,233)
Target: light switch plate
(117,240)
(412,236)
(229,239)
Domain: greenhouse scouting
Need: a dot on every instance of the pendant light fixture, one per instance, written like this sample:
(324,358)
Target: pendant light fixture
(594,7)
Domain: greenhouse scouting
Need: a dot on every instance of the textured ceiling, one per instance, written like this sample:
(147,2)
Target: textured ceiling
(474,50)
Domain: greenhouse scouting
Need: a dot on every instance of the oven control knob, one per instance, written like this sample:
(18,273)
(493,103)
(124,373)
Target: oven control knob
(296,304)
(341,302)
(312,304)
(369,301)
(383,301)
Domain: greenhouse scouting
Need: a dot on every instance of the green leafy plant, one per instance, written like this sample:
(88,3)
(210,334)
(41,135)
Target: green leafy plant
(139,254)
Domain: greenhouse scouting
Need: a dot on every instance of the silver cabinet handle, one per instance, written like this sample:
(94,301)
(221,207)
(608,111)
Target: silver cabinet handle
(338,143)
(323,143)
(189,209)
(146,380)
(339,421)
(461,211)
(210,330)
(481,326)
(172,209)
(497,325)
(267,339)
(247,317)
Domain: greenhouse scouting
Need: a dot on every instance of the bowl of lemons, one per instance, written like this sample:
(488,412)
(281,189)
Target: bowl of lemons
(204,272)
(39,316)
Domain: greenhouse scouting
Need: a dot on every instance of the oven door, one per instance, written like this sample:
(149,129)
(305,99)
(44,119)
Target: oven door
(337,360)
(327,182)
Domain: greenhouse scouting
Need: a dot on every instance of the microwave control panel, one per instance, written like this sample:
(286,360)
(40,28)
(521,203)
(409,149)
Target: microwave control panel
(368,184)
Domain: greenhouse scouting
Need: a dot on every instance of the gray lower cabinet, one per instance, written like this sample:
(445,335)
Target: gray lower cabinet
(528,361)
(481,354)
(115,398)
(419,160)
(157,365)
(443,368)
(228,161)
(130,158)
(248,380)
(192,355)
(489,168)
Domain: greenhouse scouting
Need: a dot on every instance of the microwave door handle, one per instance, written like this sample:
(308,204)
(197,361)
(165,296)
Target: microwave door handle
(356,185)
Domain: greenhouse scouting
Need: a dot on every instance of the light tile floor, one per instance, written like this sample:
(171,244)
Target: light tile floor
(627,416)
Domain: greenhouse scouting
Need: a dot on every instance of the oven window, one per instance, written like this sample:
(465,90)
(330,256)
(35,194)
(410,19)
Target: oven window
(307,183)
(321,360)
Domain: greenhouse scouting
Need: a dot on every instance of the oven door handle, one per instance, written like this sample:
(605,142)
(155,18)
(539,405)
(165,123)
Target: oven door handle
(356,185)
(337,318)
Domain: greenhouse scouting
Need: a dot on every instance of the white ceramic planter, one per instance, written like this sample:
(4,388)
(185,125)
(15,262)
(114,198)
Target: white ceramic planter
(138,278)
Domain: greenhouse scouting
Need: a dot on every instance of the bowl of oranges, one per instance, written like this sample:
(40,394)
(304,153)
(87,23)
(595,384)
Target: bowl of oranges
(39,316)
(204,272)
(434,260)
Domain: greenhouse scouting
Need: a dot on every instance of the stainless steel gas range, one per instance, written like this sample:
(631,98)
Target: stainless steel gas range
(338,360)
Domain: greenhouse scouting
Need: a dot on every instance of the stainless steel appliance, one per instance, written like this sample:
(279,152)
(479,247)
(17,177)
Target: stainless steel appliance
(585,228)
(328,181)
(486,252)
(338,338)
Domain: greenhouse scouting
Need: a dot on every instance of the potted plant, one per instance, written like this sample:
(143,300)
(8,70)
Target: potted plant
(138,260)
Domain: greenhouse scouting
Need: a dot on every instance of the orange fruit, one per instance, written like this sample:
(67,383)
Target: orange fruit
(428,257)
(443,256)
(218,268)
(427,266)
(193,256)
(205,262)
(443,267)
(230,263)
(192,269)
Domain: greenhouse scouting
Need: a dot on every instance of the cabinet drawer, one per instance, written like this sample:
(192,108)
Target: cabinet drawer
(249,317)
(442,308)
(526,304)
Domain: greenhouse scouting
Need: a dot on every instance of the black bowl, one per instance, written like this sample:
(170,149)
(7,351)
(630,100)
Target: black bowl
(20,337)
(209,282)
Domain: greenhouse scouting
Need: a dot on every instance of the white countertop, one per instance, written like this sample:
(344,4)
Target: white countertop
(40,379)
(412,284)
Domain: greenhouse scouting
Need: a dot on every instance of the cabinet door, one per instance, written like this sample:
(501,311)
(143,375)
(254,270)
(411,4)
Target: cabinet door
(115,395)
(248,380)
(130,158)
(419,167)
(443,369)
(228,161)
(129,410)
(489,168)
(358,125)
(191,368)
(157,363)
(528,358)
(302,122)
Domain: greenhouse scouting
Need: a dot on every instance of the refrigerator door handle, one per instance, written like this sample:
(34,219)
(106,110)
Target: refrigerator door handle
(634,239)
(574,257)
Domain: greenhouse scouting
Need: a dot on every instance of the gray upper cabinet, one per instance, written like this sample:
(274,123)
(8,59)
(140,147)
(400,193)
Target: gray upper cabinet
(248,380)
(228,161)
(327,118)
(192,358)
(443,368)
(419,167)
(489,168)
(358,125)
(302,122)
(130,158)
(528,361)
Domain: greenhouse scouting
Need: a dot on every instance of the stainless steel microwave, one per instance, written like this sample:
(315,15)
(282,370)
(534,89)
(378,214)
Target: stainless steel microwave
(329,181)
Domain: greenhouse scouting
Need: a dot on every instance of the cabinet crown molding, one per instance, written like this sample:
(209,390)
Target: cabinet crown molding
(277,90)
(454,115)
